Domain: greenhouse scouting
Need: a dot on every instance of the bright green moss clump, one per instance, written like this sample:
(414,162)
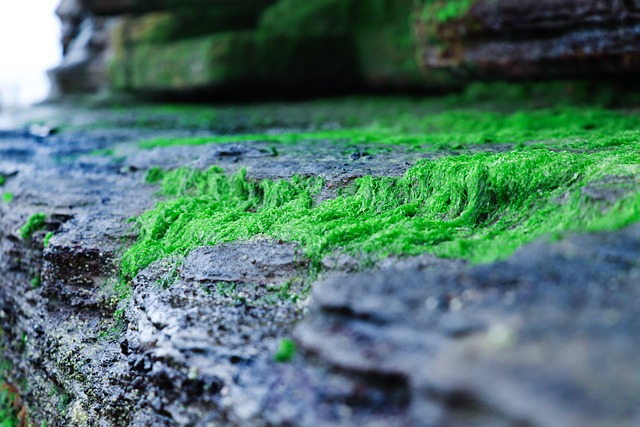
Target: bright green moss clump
(8,414)
(475,206)
(446,10)
(286,351)
(35,223)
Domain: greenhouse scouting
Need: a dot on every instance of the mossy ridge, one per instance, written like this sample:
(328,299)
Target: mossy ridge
(479,207)
(573,127)
(571,111)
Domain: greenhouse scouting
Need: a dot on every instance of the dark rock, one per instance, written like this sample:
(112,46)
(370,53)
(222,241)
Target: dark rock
(511,349)
(201,49)
(545,338)
(536,39)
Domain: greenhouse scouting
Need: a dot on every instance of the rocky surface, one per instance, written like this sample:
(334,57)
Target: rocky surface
(531,39)
(205,49)
(547,338)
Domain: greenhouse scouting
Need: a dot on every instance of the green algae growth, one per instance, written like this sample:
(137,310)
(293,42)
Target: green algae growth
(566,126)
(35,223)
(286,351)
(479,206)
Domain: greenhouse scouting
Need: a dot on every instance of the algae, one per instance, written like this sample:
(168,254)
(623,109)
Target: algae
(286,351)
(445,11)
(479,207)
(12,412)
(573,114)
(35,223)
(46,240)
(540,152)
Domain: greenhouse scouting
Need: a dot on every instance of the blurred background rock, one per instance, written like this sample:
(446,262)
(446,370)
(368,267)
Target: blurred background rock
(198,48)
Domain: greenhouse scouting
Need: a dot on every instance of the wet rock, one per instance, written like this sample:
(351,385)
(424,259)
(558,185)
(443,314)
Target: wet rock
(269,46)
(254,262)
(532,39)
(545,338)
(521,342)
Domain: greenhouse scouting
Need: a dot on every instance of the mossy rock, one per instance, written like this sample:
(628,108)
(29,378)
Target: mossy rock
(230,58)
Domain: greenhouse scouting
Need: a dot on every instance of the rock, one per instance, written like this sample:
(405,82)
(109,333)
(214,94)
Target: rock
(191,331)
(244,262)
(533,39)
(265,45)
(511,345)
(546,338)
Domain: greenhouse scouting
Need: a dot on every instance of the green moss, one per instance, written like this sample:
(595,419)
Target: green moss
(571,126)
(35,223)
(2,180)
(307,17)
(286,351)
(48,237)
(447,10)
(7,197)
(474,206)
(154,175)
(9,413)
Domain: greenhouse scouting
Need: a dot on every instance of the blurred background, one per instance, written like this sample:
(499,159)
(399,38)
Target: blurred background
(29,46)
(212,49)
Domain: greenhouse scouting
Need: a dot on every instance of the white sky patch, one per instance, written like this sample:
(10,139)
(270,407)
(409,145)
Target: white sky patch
(29,45)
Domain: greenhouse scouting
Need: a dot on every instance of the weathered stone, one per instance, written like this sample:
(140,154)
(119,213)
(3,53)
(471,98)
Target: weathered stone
(533,39)
(542,339)
(237,61)
(545,338)
(298,44)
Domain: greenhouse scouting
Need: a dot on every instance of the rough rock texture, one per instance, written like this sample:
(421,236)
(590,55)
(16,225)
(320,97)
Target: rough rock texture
(547,338)
(532,39)
(201,48)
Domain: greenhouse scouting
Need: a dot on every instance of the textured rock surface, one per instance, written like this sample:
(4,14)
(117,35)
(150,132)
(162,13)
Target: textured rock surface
(525,39)
(546,338)
(183,48)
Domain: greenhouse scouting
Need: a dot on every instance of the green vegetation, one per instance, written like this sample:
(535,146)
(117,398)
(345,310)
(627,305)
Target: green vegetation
(476,206)
(48,237)
(512,178)
(568,115)
(2,180)
(35,223)
(7,197)
(286,351)
(8,413)
(36,281)
(446,10)
(12,412)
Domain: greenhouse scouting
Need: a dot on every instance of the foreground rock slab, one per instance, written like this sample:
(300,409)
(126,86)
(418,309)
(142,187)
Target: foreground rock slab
(547,338)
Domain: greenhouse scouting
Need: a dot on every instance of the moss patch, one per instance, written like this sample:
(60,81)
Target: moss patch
(475,206)
(568,114)
(35,223)
(286,351)
(12,412)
